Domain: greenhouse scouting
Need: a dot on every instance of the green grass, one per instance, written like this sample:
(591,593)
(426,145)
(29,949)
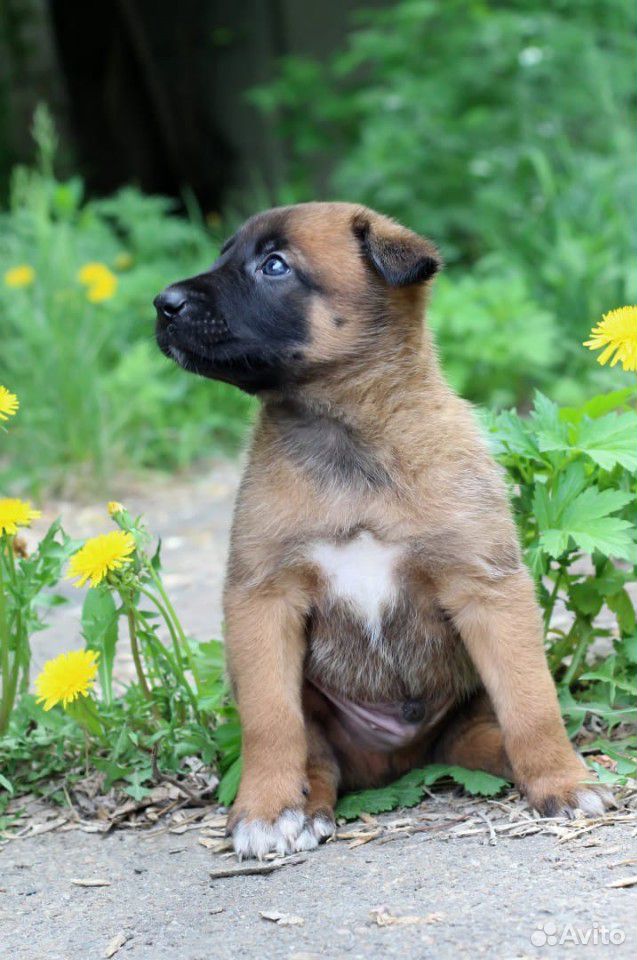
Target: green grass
(96,394)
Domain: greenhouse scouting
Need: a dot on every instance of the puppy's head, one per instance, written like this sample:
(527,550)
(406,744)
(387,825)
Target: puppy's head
(295,290)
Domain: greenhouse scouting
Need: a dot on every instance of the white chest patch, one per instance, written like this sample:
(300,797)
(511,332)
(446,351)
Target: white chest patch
(361,572)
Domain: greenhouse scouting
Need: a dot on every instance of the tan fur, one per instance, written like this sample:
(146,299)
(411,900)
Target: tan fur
(446,505)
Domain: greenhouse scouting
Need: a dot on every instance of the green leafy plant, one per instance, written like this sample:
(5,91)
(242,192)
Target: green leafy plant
(24,585)
(502,131)
(77,278)
(572,472)
(177,707)
(493,348)
(409,790)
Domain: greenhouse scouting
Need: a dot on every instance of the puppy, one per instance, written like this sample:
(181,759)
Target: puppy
(378,612)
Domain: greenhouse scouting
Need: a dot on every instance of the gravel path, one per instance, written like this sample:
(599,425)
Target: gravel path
(466,896)
(471,899)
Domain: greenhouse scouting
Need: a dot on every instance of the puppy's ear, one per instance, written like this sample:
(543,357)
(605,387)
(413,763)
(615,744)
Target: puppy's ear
(400,256)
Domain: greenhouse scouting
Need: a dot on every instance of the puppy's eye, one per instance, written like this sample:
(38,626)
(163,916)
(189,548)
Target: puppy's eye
(275,266)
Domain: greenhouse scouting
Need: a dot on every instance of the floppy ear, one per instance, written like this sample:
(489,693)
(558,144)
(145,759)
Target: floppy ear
(400,256)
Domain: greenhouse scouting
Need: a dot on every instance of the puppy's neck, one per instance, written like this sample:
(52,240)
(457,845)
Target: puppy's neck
(348,426)
(368,393)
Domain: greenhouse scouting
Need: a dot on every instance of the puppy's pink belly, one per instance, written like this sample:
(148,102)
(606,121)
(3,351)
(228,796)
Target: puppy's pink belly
(377,726)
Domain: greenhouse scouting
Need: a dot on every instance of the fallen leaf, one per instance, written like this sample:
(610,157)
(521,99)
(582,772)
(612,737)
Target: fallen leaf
(90,882)
(624,882)
(365,838)
(282,919)
(367,818)
(118,941)
(383,918)
(39,828)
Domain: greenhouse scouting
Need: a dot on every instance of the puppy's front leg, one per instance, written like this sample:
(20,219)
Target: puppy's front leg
(500,626)
(265,648)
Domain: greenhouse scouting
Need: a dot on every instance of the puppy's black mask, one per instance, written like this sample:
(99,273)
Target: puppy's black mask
(296,291)
(244,321)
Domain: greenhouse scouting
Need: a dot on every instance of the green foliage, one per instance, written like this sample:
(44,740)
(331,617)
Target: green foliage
(178,707)
(503,131)
(25,584)
(510,340)
(96,393)
(409,790)
(572,474)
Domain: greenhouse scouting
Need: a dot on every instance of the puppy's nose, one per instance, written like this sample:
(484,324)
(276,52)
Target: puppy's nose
(171,302)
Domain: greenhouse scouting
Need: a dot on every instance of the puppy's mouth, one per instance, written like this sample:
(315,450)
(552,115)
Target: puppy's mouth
(188,338)
(229,359)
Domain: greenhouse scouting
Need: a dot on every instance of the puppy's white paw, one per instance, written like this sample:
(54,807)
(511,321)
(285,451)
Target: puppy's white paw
(292,832)
(255,838)
(590,799)
(593,802)
(317,829)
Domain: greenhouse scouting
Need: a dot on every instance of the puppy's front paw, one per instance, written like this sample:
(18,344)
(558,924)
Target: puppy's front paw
(291,832)
(562,795)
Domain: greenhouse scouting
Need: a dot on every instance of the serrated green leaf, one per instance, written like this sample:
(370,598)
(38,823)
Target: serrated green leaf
(536,560)
(598,406)
(550,431)
(628,648)
(622,606)
(113,770)
(604,775)
(473,781)
(606,672)
(409,789)
(579,709)
(609,440)
(586,520)
(585,598)
(549,507)
(511,433)
(136,781)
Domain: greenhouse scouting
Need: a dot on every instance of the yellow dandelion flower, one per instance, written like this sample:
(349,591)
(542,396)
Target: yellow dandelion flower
(67,677)
(14,514)
(105,289)
(21,276)
(100,282)
(114,507)
(617,332)
(100,556)
(92,272)
(9,403)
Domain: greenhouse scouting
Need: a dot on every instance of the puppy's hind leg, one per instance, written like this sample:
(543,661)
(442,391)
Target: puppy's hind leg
(323,777)
(473,739)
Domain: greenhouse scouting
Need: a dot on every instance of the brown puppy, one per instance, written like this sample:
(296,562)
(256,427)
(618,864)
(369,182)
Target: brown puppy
(378,611)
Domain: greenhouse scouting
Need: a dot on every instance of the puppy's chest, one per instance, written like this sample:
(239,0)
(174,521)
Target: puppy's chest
(374,635)
(361,573)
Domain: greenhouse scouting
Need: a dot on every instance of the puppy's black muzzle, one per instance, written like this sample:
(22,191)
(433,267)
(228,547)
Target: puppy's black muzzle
(170,303)
(186,319)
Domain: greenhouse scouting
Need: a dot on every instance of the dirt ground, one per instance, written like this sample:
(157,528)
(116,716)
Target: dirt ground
(393,887)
